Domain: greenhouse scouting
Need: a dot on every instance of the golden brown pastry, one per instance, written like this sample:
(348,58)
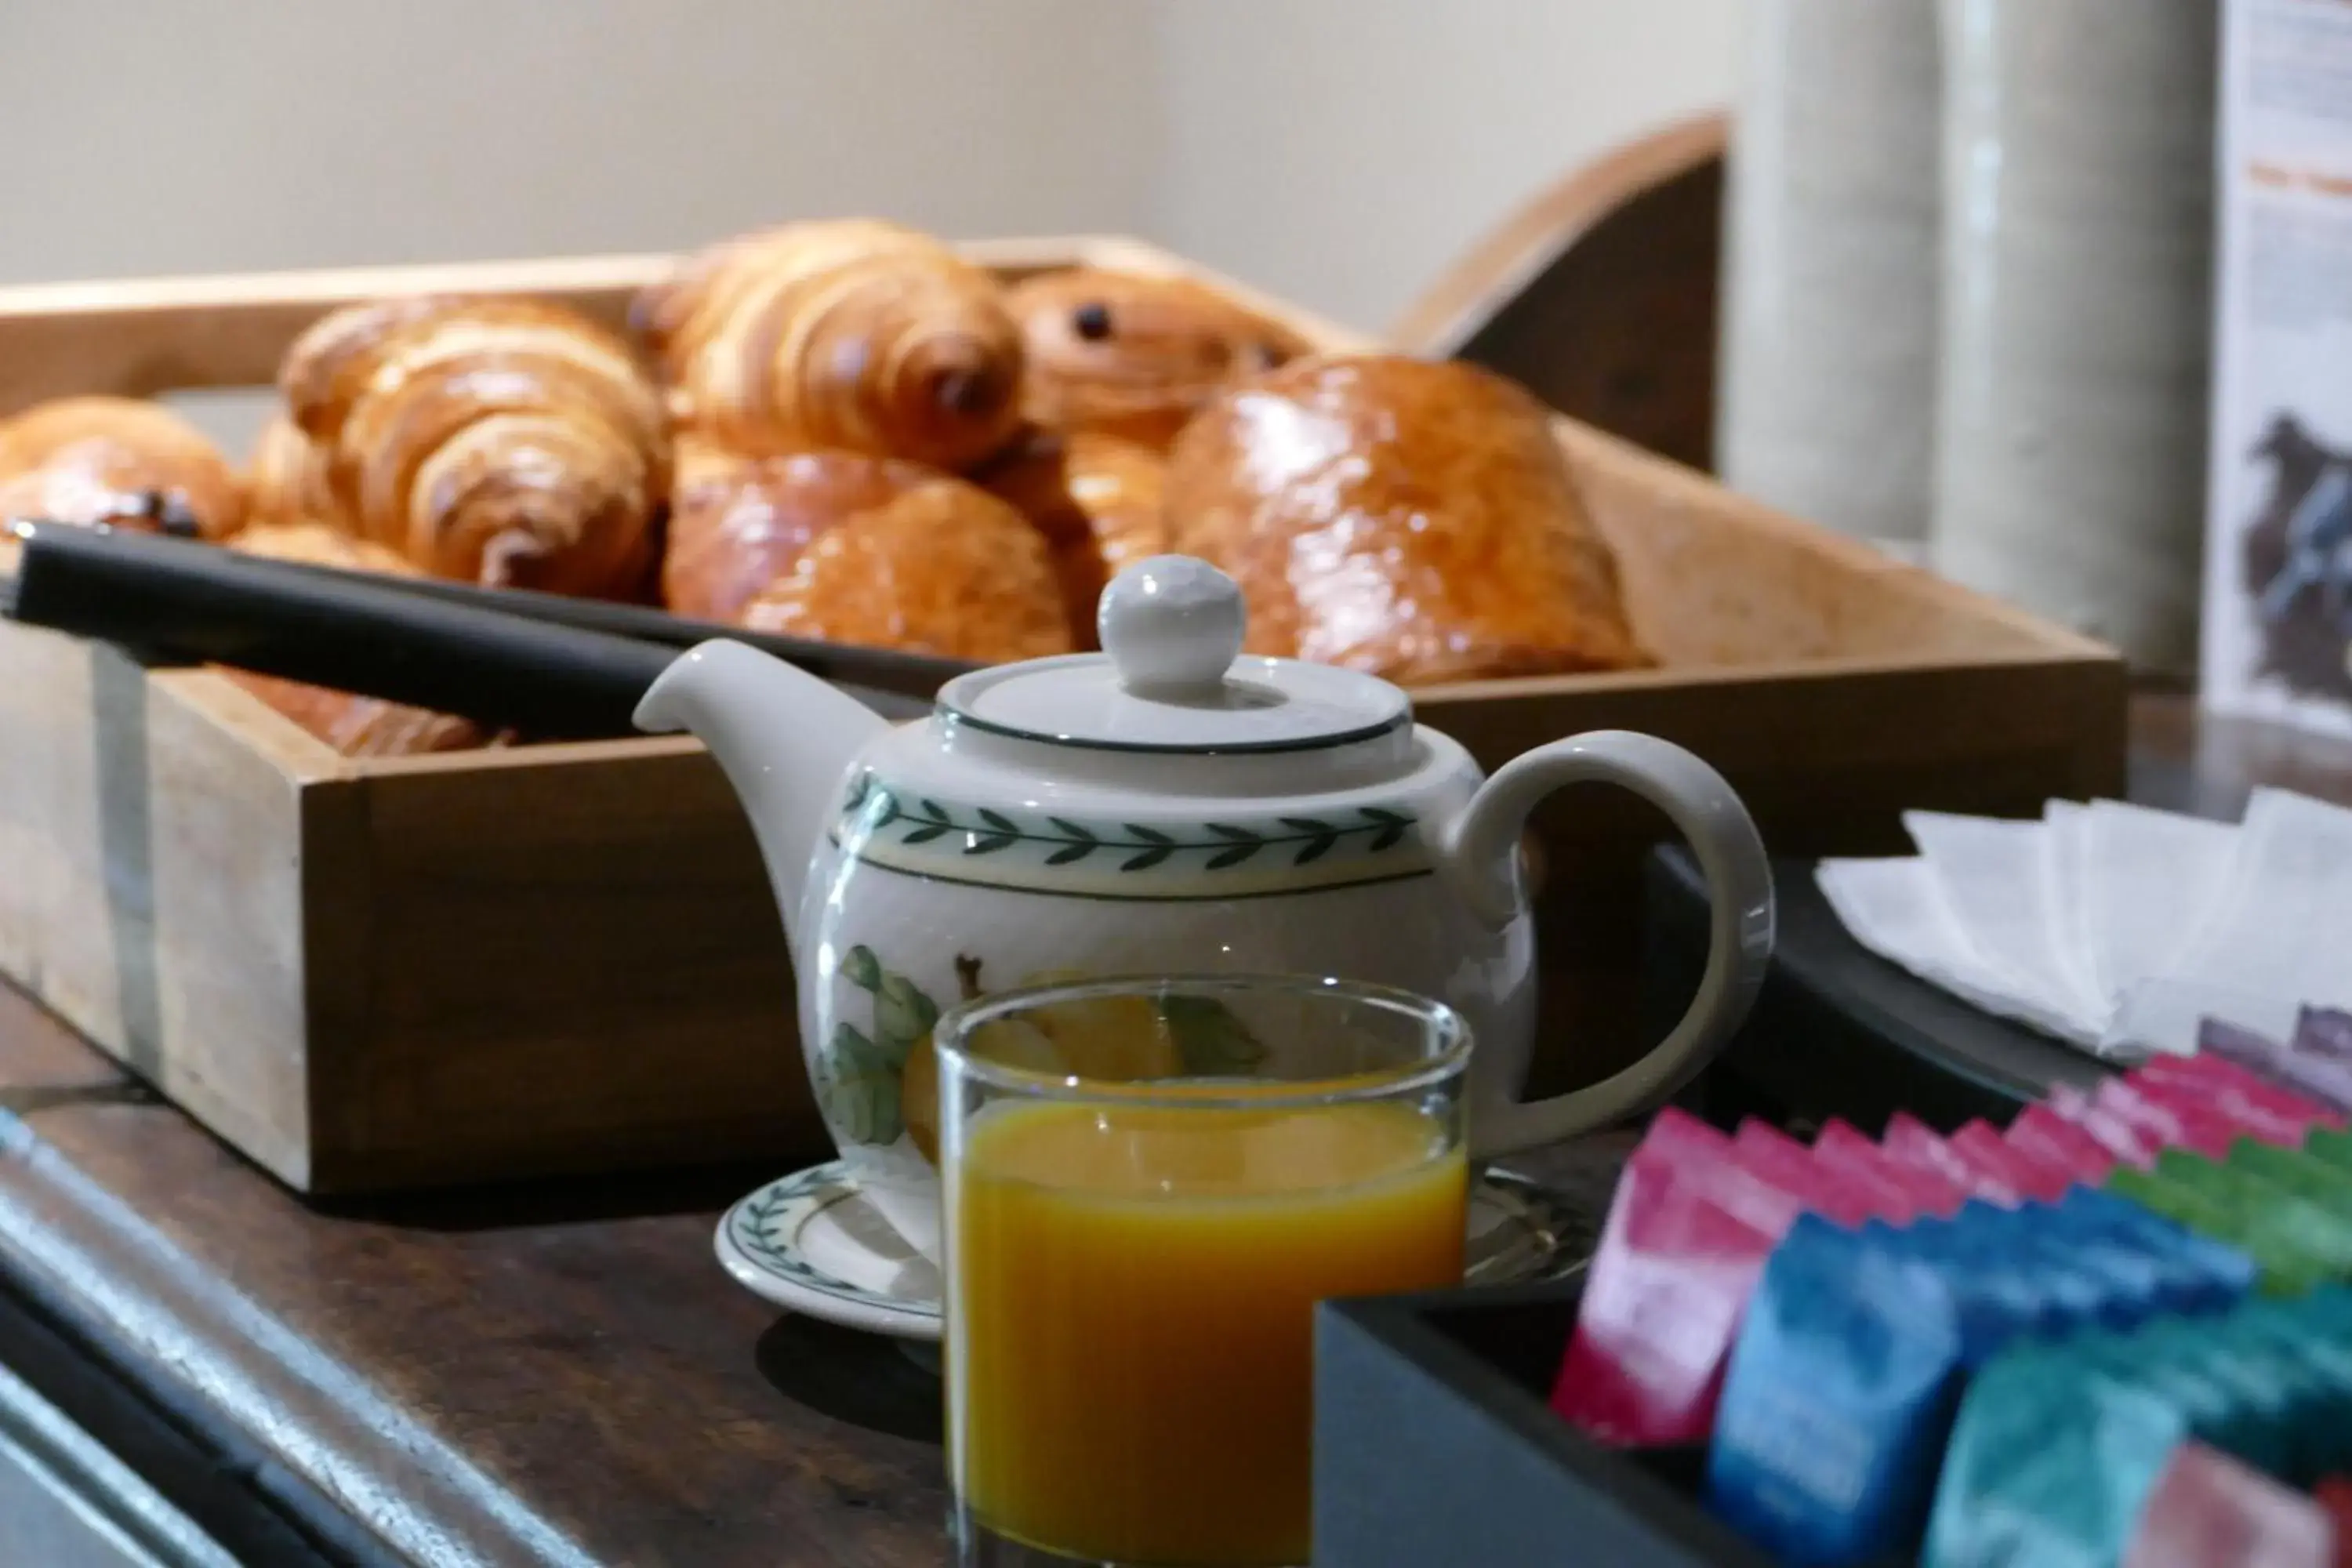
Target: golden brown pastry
(355,726)
(737,524)
(117,460)
(945,568)
(1099,501)
(504,441)
(851,336)
(286,479)
(1413,519)
(1131,355)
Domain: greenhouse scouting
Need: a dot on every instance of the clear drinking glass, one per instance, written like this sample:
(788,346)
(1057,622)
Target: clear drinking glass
(1148,1184)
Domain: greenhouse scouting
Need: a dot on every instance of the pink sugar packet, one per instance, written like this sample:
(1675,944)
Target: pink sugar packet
(1913,1143)
(1848,1197)
(2166,1122)
(2320,1077)
(2048,1136)
(2273,1114)
(2038,1180)
(1841,1145)
(2206,1117)
(2208,1510)
(1687,1233)
(2127,1143)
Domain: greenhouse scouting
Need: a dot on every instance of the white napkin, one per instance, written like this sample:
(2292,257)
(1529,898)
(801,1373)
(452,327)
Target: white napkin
(2150,880)
(2278,938)
(2116,927)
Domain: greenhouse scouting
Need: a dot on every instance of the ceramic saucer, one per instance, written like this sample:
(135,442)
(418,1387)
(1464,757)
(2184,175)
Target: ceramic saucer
(811,1242)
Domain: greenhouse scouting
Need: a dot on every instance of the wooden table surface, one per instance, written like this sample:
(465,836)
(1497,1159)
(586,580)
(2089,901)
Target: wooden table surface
(553,1377)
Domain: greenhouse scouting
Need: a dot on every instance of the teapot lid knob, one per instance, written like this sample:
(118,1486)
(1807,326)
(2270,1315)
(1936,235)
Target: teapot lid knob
(1172,625)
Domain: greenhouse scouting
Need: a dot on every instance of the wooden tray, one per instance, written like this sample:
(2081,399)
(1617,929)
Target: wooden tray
(380,973)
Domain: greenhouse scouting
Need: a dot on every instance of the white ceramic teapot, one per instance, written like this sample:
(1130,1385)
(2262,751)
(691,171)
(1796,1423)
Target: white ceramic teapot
(1168,806)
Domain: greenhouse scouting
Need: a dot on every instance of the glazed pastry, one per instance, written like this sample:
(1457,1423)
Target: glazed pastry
(1412,518)
(497,440)
(1099,502)
(851,336)
(285,480)
(355,726)
(117,460)
(1131,355)
(739,524)
(945,568)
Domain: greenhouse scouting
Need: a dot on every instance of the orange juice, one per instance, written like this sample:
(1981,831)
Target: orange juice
(1131,1311)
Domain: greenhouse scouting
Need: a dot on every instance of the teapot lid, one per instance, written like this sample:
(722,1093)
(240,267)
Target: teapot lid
(1171,678)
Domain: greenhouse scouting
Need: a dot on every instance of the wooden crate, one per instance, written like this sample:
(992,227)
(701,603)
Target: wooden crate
(368,975)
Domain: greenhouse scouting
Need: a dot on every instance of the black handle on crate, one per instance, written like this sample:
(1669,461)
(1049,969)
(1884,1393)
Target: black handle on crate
(918,676)
(342,630)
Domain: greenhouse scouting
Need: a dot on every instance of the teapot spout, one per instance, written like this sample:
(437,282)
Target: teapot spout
(784,737)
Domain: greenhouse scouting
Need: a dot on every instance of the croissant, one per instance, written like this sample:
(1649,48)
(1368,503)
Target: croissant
(355,726)
(941,567)
(1099,501)
(286,478)
(506,441)
(1132,355)
(117,460)
(1412,518)
(852,335)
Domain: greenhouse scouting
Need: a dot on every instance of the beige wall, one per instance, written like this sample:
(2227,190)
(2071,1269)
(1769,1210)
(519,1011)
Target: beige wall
(145,135)
(1341,151)
(1337,151)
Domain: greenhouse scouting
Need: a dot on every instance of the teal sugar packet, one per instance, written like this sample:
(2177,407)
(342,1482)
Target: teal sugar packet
(2327,1308)
(2323,1435)
(2052,1457)
(2268,1394)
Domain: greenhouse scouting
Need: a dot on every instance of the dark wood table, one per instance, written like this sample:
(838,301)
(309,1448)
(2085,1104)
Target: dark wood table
(550,1376)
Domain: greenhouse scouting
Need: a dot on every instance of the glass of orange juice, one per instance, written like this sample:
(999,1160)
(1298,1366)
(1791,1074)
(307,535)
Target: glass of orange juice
(1149,1183)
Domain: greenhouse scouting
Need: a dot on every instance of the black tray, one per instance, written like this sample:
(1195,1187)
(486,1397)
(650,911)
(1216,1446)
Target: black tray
(1433,1444)
(1837,1030)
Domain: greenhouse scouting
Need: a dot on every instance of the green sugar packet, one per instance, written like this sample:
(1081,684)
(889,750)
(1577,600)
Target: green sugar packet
(2283,1269)
(2054,1453)
(2299,1171)
(2331,1144)
(2298,1224)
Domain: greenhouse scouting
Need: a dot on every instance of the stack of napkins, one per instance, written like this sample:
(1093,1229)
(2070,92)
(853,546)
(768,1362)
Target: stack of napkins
(2116,927)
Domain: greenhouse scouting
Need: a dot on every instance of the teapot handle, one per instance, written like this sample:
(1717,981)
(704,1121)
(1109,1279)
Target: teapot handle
(1479,860)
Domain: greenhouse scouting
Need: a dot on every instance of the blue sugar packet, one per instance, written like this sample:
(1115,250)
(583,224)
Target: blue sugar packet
(2206,1276)
(2089,1281)
(1842,1382)
(2053,1455)
(2011,1292)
